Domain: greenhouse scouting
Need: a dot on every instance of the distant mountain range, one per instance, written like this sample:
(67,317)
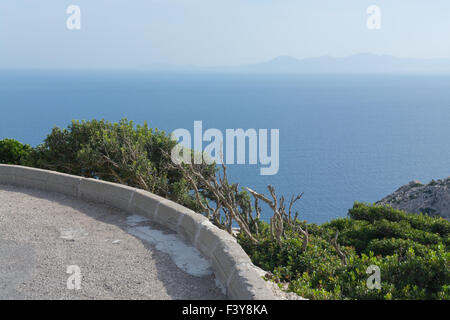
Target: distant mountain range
(357,64)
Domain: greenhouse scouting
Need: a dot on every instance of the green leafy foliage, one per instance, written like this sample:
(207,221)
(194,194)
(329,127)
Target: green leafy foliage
(14,152)
(134,155)
(410,250)
(373,213)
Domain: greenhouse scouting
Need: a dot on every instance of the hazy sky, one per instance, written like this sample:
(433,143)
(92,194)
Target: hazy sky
(128,33)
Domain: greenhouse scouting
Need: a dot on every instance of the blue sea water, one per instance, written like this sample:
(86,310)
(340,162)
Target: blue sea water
(342,137)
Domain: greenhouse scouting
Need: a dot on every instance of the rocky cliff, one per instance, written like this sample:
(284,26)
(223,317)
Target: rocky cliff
(432,198)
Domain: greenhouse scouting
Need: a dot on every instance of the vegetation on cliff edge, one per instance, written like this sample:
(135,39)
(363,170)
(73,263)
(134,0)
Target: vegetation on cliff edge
(327,261)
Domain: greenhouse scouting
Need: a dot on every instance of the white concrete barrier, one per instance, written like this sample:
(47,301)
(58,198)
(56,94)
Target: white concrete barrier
(230,263)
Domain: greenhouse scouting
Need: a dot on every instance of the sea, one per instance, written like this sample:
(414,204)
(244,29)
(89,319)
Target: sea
(342,137)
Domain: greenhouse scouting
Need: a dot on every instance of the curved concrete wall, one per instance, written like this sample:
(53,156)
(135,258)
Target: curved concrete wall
(230,263)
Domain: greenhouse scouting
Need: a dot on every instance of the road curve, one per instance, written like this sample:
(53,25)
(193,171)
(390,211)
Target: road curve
(44,235)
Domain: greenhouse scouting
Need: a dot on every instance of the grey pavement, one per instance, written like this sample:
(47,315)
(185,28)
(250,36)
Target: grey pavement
(42,234)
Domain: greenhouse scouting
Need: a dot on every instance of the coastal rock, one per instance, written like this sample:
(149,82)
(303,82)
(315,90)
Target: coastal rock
(432,198)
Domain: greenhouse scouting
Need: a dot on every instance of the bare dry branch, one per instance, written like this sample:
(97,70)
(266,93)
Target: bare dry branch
(338,248)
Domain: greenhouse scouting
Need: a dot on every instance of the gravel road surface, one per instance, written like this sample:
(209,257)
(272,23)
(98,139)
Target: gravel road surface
(44,235)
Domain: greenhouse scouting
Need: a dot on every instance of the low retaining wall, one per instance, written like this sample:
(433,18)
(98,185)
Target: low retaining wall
(230,263)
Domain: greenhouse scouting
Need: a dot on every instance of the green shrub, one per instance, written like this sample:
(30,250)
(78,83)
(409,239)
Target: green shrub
(136,156)
(372,213)
(412,257)
(388,247)
(14,152)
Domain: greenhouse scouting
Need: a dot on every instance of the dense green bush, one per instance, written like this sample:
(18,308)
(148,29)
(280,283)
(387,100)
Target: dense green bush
(13,152)
(412,256)
(359,234)
(134,155)
(390,246)
(418,221)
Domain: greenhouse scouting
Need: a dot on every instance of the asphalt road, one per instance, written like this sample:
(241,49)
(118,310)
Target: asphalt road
(57,247)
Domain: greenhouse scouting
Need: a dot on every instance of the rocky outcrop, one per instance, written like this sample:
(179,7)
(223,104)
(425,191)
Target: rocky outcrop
(432,198)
